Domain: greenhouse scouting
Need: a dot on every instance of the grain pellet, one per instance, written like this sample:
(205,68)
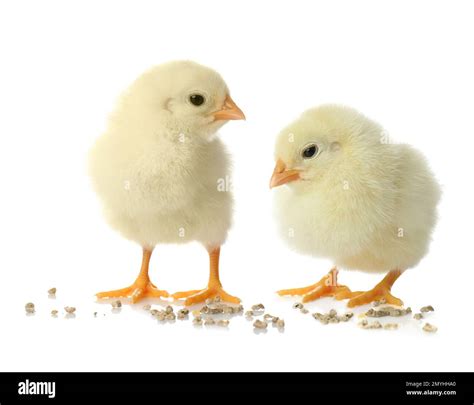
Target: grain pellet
(258,308)
(70,310)
(30,308)
(427,308)
(258,324)
(280,323)
(117,304)
(428,327)
(170,316)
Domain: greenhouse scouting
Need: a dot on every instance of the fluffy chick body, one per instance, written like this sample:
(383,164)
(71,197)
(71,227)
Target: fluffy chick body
(368,205)
(157,176)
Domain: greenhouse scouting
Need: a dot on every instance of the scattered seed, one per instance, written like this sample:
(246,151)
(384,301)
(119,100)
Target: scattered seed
(147,307)
(428,327)
(304,310)
(196,313)
(197,321)
(428,308)
(418,316)
(154,312)
(30,308)
(205,309)
(298,305)
(95,314)
(258,309)
(249,314)
(54,313)
(209,321)
(228,310)
(52,291)
(332,313)
(387,311)
(183,313)
(198,318)
(280,323)
(391,326)
(169,309)
(346,316)
(223,322)
(364,324)
(70,310)
(117,304)
(170,316)
(217,299)
(258,324)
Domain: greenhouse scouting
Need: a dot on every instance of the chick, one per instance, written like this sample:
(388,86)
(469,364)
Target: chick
(157,167)
(351,196)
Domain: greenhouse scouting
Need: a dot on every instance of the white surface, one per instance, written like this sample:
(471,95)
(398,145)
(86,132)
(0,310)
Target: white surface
(407,64)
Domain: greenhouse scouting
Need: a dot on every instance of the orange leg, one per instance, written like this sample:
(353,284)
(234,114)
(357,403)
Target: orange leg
(141,288)
(326,287)
(214,287)
(379,292)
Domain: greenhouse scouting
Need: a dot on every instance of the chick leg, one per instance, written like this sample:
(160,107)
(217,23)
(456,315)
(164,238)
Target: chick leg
(326,287)
(214,287)
(141,288)
(379,292)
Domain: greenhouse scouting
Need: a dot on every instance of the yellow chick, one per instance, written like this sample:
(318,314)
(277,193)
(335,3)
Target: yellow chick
(353,197)
(157,168)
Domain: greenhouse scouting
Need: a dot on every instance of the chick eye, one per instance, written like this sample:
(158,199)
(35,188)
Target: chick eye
(310,151)
(196,99)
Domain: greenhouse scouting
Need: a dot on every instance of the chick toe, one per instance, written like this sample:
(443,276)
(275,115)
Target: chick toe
(326,287)
(380,292)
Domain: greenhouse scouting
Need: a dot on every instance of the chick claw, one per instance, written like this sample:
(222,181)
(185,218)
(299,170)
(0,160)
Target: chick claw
(197,296)
(136,292)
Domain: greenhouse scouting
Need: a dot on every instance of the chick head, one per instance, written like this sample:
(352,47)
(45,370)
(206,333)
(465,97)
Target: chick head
(324,141)
(189,97)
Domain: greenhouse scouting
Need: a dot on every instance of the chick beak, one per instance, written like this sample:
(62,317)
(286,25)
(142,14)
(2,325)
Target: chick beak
(229,111)
(281,175)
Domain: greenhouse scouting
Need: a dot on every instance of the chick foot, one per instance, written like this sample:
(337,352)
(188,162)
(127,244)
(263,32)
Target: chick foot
(214,287)
(197,296)
(141,288)
(326,287)
(380,292)
(138,290)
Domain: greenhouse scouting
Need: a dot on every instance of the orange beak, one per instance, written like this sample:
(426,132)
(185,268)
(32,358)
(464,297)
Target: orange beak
(229,111)
(281,175)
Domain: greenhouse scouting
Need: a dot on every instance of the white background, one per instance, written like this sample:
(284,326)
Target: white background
(407,64)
